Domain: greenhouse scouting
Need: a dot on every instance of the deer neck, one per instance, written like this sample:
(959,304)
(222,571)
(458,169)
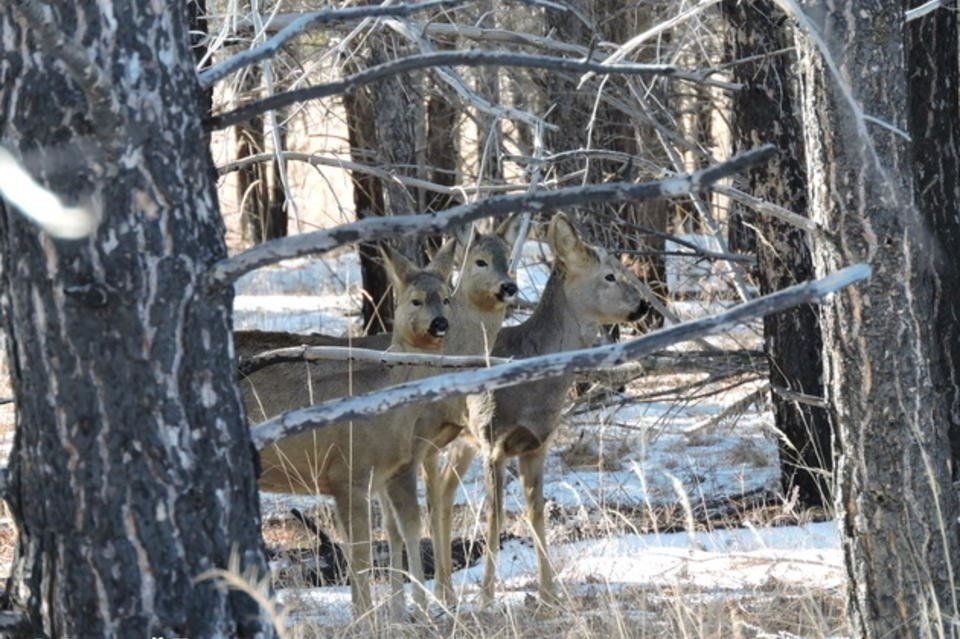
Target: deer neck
(558,324)
(473,331)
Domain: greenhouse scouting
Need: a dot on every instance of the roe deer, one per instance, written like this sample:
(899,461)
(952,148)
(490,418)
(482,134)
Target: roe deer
(587,288)
(351,460)
(477,309)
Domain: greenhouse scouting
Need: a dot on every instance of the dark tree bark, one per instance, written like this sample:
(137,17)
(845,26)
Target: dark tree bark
(260,193)
(934,120)
(131,471)
(383,120)
(368,201)
(895,502)
(765,111)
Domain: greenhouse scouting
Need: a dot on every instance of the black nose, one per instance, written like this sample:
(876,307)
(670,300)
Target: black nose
(439,326)
(639,312)
(509,289)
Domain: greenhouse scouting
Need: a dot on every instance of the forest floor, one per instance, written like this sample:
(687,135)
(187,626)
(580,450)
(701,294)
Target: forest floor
(665,517)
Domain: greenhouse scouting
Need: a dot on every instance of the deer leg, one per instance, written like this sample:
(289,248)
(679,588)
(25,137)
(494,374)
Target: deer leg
(353,511)
(494,483)
(395,539)
(531,478)
(402,493)
(440,493)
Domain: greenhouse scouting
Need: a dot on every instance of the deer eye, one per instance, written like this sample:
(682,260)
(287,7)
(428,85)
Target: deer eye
(417,303)
(610,277)
(481,263)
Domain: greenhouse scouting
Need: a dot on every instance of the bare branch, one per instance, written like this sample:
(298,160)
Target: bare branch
(380,172)
(368,229)
(306,353)
(307,21)
(800,398)
(925,8)
(548,366)
(769,208)
(414,62)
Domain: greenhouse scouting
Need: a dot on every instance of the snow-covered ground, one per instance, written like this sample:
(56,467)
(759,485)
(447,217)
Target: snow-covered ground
(731,561)
(610,469)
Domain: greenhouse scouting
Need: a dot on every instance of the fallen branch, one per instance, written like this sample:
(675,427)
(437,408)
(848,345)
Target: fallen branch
(414,62)
(306,21)
(547,366)
(227,271)
(306,353)
(736,409)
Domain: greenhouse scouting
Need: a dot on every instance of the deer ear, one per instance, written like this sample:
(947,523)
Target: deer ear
(444,259)
(398,267)
(509,228)
(566,243)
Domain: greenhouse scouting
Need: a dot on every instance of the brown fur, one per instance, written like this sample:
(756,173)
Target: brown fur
(587,288)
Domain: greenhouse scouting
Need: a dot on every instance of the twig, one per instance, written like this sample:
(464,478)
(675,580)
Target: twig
(369,229)
(306,353)
(308,21)
(6,400)
(737,408)
(414,62)
(548,366)
(801,398)
(633,43)
(378,171)
(769,208)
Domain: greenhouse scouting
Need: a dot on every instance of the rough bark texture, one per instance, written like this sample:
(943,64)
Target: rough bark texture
(934,120)
(131,471)
(765,111)
(259,189)
(367,202)
(895,502)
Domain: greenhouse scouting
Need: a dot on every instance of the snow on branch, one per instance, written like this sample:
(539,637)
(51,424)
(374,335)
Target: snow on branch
(548,366)
(422,61)
(41,205)
(371,229)
(308,21)
(250,365)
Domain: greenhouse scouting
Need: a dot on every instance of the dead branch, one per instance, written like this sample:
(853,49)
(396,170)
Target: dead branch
(734,410)
(306,353)
(368,229)
(684,363)
(319,160)
(414,62)
(548,366)
(307,21)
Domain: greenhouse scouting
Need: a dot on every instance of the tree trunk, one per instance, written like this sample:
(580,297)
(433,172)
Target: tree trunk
(764,111)
(132,471)
(896,505)
(262,212)
(368,201)
(934,119)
